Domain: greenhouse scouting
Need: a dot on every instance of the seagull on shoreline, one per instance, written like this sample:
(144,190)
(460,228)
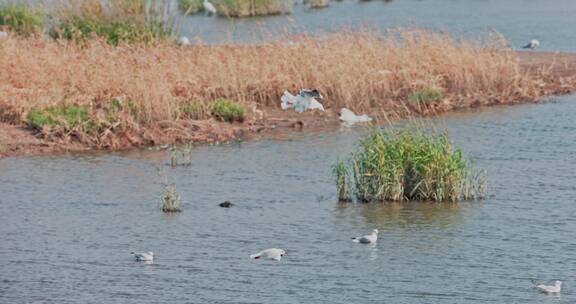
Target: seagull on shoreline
(532,44)
(367,239)
(143,256)
(549,288)
(209,8)
(183,41)
(270,254)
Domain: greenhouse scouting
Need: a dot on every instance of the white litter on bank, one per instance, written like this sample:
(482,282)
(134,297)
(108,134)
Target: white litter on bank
(305,100)
(349,118)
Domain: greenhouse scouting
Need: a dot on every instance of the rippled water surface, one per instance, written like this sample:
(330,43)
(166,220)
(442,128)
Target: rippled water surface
(550,21)
(68,223)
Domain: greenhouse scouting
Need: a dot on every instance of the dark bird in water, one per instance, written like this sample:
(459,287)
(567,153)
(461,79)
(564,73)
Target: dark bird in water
(226,204)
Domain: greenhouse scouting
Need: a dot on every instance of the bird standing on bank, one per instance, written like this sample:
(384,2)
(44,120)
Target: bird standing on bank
(209,8)
(183,41)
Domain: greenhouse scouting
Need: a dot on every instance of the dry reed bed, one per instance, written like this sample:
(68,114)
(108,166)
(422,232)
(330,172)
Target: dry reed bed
(363,71)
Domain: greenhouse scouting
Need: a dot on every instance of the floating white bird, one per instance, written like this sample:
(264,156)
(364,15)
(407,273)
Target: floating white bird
(270,254)
(532,44)
(143,256)
(349,118)
(367,239)
(550,288)
(209,8)
(305,100)
(183,41)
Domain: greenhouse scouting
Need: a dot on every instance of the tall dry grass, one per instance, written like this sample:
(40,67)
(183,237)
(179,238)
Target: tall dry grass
(362,71)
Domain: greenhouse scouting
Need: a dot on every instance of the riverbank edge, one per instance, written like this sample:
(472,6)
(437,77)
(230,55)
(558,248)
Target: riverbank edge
(19,140)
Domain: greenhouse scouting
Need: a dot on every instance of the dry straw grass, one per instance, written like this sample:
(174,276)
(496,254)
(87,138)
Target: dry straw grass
(129,89)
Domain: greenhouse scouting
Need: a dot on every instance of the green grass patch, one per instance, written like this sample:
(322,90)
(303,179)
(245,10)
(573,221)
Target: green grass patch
(425,96)
(67,117)
(188,7)
(21,19)
(228,110)
(121,21)
(113,30)
(408,165)
(244,8)
(195,110)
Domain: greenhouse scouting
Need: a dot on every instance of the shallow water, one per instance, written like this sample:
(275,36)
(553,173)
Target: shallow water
(69,223)
(551,22)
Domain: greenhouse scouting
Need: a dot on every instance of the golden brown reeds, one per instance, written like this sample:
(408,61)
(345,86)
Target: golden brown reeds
(131,87)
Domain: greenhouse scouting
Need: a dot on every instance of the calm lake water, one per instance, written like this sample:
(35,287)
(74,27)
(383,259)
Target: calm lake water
(550,21)
(69,223)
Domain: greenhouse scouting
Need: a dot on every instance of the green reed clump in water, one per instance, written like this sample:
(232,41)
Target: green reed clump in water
(409,164)
(170,199)
(181,156)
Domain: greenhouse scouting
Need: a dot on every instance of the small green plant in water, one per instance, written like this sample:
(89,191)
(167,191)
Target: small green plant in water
(228,110)
(425,96)
(341,175)
(409,165)
(181,156)
(170,199)
(21,19)
(67,117)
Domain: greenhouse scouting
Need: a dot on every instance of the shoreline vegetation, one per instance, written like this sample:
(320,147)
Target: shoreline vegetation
(117,79)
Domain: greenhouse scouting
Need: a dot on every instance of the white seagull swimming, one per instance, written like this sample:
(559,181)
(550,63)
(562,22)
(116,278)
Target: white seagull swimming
(349,118)
(549,288)
(209,8)
(143,256)
(367,239)
(532,44)
(270,254)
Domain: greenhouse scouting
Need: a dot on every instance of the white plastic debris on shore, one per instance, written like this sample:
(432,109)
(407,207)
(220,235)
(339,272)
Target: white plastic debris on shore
(305,100)
(349,118)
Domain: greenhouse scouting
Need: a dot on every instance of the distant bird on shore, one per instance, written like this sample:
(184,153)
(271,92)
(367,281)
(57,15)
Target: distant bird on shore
(144,256)
(532,44)
(3,34)
(270,254)
(549,288)
(209,8)
(183,41)
(367,239)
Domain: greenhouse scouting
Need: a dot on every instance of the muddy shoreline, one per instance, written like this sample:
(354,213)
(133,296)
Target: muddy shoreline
(19,140)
